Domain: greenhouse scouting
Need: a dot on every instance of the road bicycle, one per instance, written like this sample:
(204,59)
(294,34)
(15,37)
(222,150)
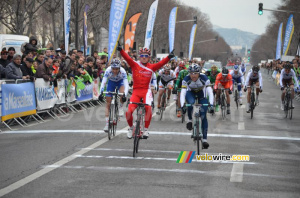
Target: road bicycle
(288,102)
(163,103)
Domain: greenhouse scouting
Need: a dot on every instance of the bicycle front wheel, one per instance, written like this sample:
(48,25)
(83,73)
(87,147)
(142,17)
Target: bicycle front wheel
(116,118)
(236,98)
(252,104)
(136,138)
(291,109)
(111,121)
(223,107)
(198,135)
(162,107)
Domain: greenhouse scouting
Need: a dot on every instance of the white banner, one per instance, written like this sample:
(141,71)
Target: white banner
(61,91)
(46,97)
(67,18)
(71,92)
(96,88)
(150,23)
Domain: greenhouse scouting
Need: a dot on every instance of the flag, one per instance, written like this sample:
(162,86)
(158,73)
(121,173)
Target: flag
(192,39)
(150,23)
(118,11)
(85,35)
(130,31)
(172,24)
(279,41)
(289,31)
(298,49)
(67,17)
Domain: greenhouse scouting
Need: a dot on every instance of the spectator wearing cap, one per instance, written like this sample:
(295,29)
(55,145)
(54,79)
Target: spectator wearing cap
(26,69)
(13,70)
(80,53)
(44,69)
(31,46)
(3,60)
(11,53)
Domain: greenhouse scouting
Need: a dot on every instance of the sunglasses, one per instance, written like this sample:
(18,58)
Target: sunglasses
(144,56)
(194,73)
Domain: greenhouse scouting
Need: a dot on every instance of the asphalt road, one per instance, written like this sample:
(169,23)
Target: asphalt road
(72,157)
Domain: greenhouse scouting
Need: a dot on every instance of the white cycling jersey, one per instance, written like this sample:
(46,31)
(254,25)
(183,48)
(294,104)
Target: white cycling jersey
(287,76)
(251,77)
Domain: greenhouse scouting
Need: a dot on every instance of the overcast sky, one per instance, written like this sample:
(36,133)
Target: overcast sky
(240,14)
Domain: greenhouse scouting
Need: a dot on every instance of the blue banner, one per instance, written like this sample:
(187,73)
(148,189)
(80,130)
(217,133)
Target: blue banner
(67,18)
(85,34)
(86,93)
(192,39)
(279,41)
(150,23)
(172,24)
(289,31)
(116,19)
(18,100)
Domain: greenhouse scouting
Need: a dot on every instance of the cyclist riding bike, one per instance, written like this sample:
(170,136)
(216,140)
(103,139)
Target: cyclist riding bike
(224,80)
(177,89)
(237,76)
(243,69)
(142,72)
(286,78)
(212,75)
(116,77)
(196,84)
(254,77)
(166,74)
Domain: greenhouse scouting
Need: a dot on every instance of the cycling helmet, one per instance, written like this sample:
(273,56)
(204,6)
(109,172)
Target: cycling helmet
(181,64)
(255,69)
(145,51)
(224,71)
(167,67)
(214,68)
(236,68)
(287,66)
(194,68)
(115,63)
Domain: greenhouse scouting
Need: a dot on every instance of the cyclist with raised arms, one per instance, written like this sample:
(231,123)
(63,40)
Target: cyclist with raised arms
(165,74)
(177,89)
(114,76)
(224,80)
(286,78)
(196,84)
(237,76)
(142,72)
(253,77)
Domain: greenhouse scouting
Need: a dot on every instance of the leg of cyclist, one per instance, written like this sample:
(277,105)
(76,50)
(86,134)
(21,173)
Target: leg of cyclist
(131,107)
(227,87)
(121,111)
(204,125)
(170,87)
(190,99)
(218,93)
(257,93)
(108,102)
(160,93)
(147,98)
(248,97)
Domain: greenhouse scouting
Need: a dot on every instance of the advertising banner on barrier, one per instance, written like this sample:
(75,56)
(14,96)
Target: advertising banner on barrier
(96,88)
(85,94)
(61,91)
(17,100)
(71,91)
(45,95)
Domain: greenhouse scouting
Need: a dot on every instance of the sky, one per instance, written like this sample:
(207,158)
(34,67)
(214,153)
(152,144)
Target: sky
(240,14)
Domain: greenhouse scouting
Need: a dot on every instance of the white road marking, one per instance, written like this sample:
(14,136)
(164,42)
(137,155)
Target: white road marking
(44,171)
(237,172)
(241,126)
(157,158)
(213,173)
(156,133)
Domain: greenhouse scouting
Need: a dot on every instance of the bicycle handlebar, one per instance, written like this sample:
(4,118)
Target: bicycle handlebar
(139,103)
(197,105)
(114,93)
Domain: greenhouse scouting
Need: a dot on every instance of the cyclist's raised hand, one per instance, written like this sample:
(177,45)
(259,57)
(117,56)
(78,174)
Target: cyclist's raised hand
(119,47)
(171,55)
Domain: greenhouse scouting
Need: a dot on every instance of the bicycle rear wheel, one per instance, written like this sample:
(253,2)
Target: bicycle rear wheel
(136,138)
